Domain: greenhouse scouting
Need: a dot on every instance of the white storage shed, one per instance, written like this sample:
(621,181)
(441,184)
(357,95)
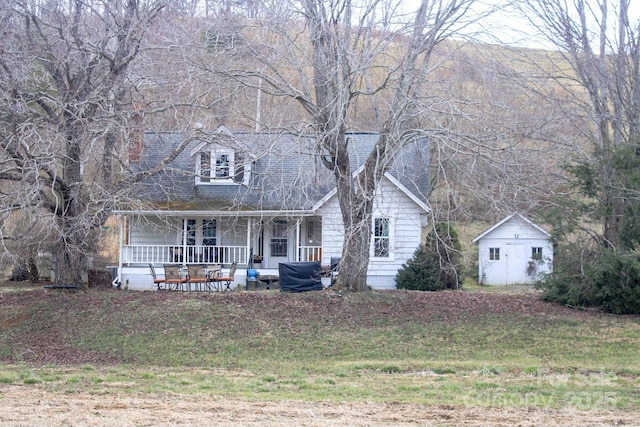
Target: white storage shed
(513,251)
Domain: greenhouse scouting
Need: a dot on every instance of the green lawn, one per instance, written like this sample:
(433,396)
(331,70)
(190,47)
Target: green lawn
(464,348)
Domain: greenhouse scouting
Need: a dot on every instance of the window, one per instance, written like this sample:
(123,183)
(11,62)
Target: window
(314,232)
(205,167)
(279,242)
(536,254)
(494,254)
(381,237)
(191,232)
(209,232)
(216,166)
(200,236)
(223,166)
(188,238)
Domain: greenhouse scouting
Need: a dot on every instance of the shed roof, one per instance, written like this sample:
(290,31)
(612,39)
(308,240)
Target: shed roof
(509,218)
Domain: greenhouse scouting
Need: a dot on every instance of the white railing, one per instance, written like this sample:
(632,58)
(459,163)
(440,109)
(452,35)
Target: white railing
(310,253)
(175,254)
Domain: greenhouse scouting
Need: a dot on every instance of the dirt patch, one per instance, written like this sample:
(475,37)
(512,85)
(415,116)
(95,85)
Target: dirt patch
(31,406)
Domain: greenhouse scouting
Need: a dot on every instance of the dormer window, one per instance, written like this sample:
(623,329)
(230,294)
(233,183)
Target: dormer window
(224,165)
(218,162)
(217,167)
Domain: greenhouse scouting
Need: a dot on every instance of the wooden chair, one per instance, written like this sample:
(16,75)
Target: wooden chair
(156,280)
(197,275)
(226,280)
(173,278)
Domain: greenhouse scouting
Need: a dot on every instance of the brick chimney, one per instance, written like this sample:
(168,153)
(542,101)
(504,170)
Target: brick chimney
(136,133)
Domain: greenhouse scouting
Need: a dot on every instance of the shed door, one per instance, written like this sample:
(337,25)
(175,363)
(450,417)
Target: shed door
(516,263)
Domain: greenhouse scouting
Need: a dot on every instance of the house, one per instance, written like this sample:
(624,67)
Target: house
(259,199)
(513,251)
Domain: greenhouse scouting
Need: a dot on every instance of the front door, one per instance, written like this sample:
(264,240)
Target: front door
(277,243)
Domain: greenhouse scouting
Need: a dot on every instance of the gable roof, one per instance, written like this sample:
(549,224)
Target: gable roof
(286,171)
(417,200)
(513,216)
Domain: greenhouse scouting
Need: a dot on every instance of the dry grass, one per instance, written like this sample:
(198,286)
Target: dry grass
(35,406)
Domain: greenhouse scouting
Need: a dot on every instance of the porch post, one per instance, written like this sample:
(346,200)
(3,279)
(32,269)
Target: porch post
(298,240)
(118,278)
(184,242)
(249,261)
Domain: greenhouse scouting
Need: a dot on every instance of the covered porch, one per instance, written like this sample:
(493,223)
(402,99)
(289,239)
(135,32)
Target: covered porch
(248,240)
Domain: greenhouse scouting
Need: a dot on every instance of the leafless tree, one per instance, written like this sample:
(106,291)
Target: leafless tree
(64,106)
(595,63)
(490,150)
(336,60)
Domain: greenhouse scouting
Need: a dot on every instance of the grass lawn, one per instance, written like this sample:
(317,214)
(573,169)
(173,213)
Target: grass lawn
(467,349)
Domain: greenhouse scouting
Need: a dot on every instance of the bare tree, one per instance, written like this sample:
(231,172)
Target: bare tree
(597,68)
(336,60)
(491,154)
(63,118)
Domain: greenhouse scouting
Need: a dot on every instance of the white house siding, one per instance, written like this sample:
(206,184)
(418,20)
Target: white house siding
(405,216)
(155,231)
(232,231)
(515,240)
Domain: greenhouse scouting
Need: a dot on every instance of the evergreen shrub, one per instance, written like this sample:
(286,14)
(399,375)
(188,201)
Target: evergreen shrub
(420,273)
(436,264)
(609,280)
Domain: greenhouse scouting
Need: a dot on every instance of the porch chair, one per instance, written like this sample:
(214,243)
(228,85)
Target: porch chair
(156,280)
(173,277)
(226,280)
(213,271)
(197,275)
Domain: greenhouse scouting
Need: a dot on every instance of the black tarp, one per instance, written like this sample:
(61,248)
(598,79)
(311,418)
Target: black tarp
(300,276)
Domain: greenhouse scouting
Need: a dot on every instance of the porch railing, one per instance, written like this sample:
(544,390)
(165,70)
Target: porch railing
(176,254)
(310,253)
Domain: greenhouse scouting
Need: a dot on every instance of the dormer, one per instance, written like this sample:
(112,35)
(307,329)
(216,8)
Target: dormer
(218,161)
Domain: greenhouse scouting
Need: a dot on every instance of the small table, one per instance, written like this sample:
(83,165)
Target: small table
(269,281)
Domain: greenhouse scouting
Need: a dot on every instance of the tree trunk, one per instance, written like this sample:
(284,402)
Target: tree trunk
(356,217)
(355,65)
(71,266)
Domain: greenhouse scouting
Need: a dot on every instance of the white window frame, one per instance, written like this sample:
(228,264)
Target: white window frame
(536,253)
(372,251)
(213,179)
(192,236)
(212,224)
(195,236)
(493,251)
(279,238)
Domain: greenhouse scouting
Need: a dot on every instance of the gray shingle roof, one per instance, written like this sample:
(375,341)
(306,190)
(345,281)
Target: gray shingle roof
(286,171)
